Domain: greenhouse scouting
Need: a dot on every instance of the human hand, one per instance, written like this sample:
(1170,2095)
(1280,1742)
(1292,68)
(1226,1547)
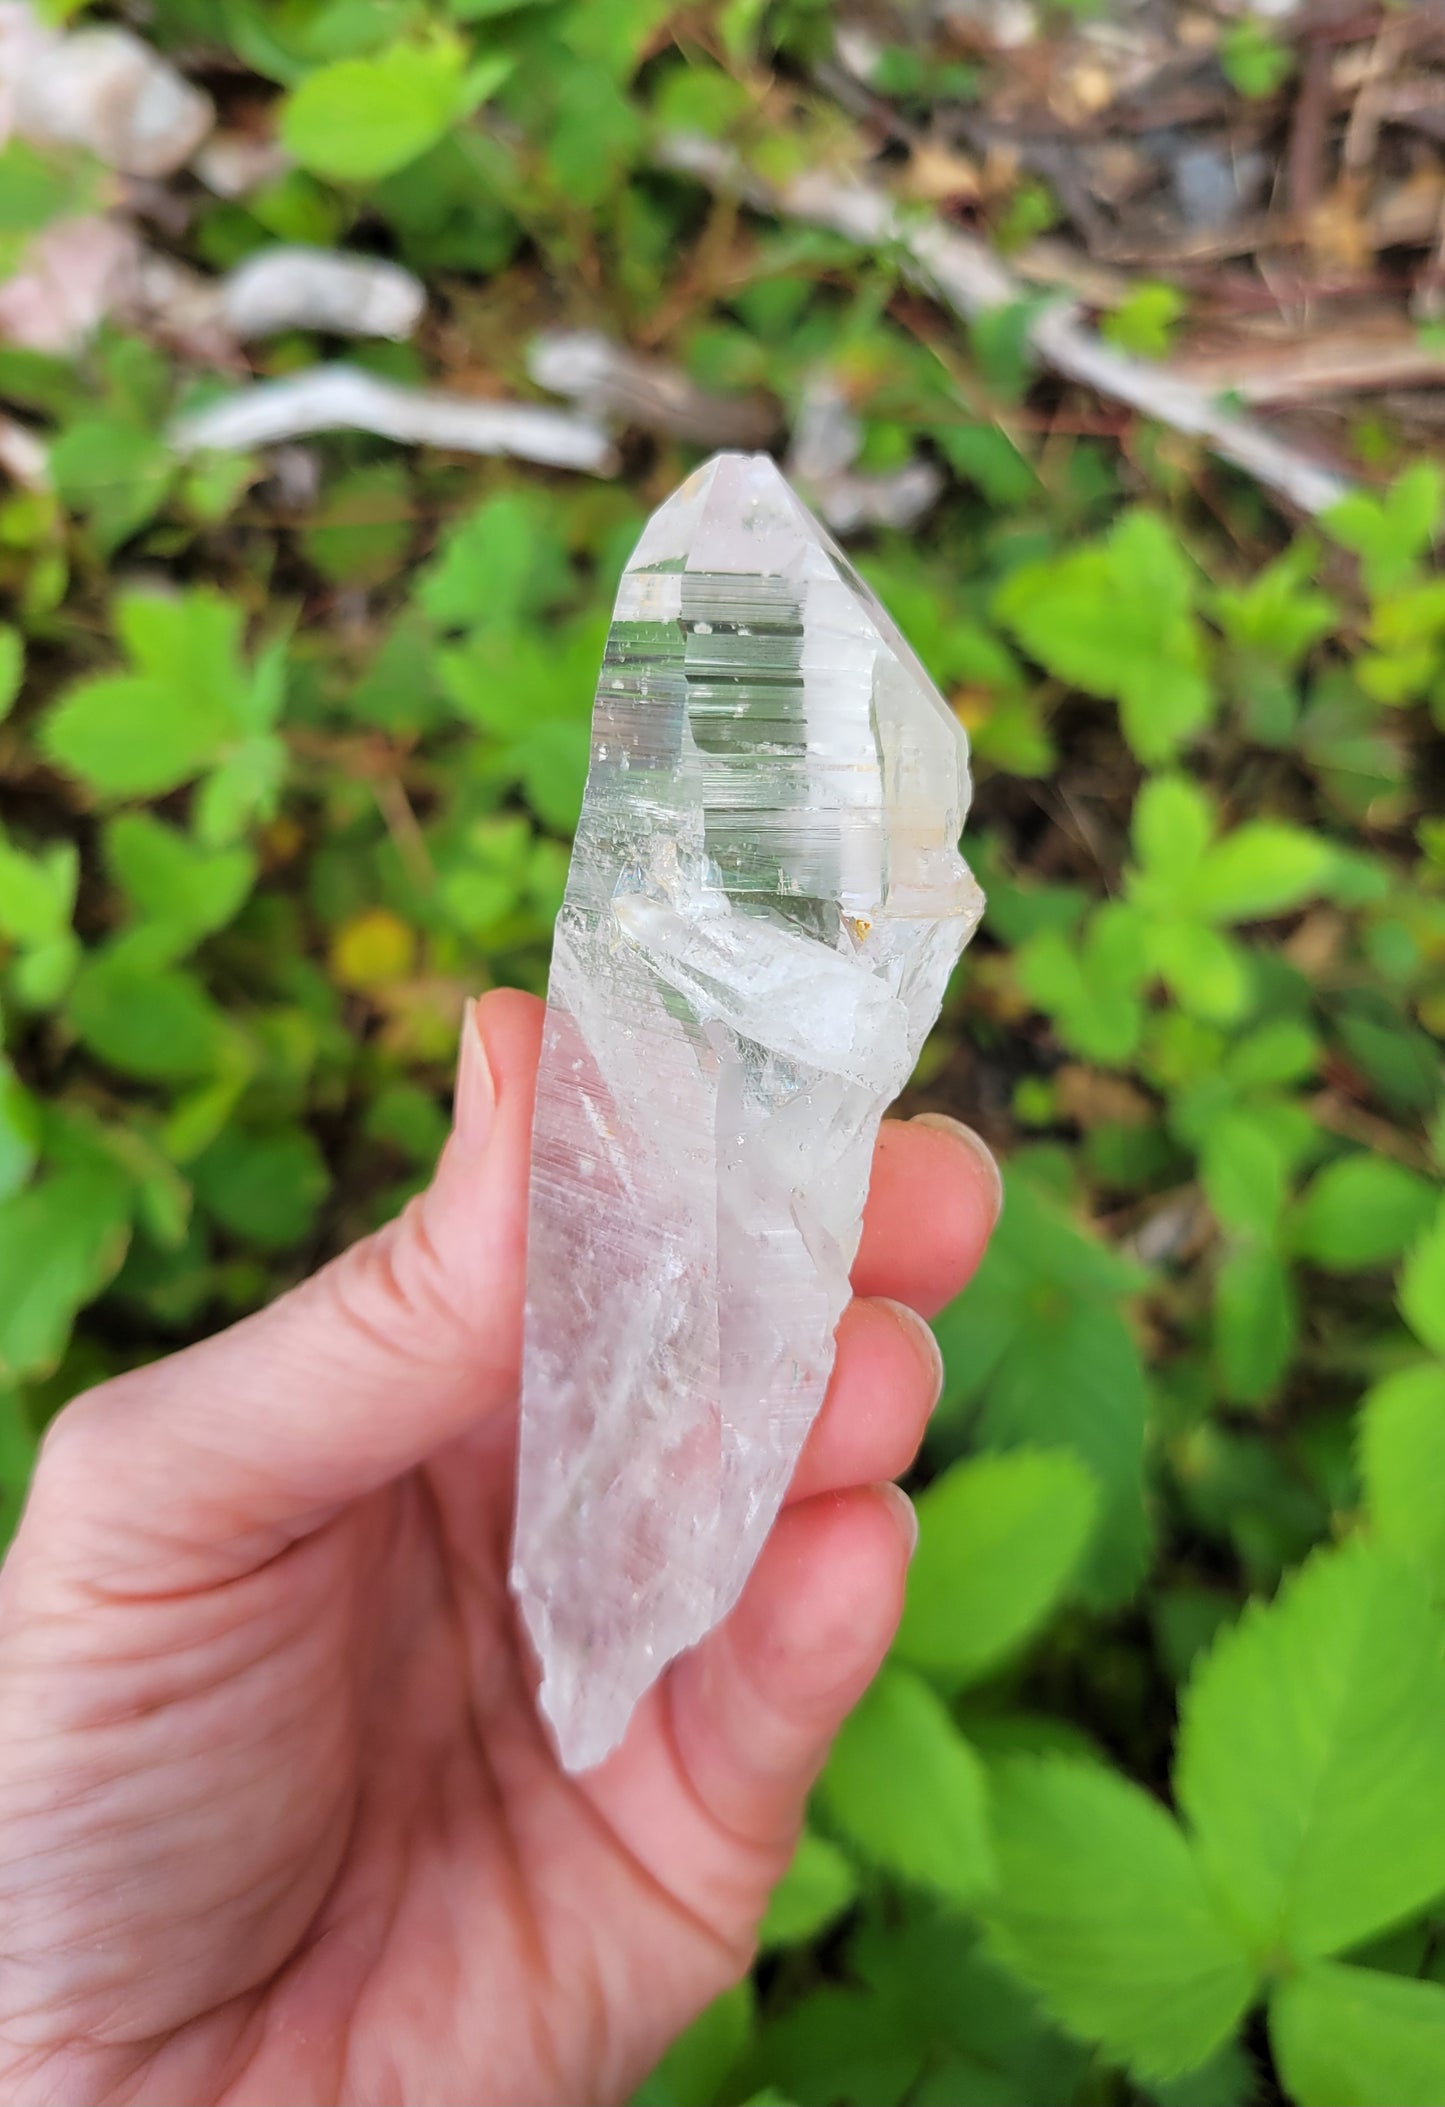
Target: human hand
(278,1823)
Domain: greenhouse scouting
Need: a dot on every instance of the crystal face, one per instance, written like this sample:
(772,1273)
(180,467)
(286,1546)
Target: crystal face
(765,902)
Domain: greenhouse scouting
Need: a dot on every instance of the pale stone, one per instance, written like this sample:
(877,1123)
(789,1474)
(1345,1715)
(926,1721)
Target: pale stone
(765,902)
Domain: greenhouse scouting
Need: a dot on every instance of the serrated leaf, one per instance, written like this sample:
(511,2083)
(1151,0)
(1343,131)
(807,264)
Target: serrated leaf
(1103,1911)
(1116,618)
(1000,1537)
(817,1887)
(932,1831)
(502,564)
(1352,2037)
(1310,1756)
(1402,1463)
(127,736)
(1361,1211)
(1422,1286)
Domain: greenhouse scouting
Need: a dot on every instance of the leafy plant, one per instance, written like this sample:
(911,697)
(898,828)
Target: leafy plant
(289,773)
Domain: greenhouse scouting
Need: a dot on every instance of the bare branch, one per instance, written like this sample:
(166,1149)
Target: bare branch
(965,274)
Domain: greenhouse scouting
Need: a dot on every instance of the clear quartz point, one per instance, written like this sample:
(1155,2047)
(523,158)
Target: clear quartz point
(765,902)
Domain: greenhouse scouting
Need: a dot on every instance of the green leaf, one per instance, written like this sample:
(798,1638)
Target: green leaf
(1391,533)
(266,1188)
(1147,319)
(1402,1463)
(1091,989)
(1039,1345)
(1422,1287)
(1244,1168)
(1102,1910)
(245,788)
(172,881)
(128,737)
(935,1832)
(502,565)
(60,1242)
(1351,2037)
(114,473)
(1278,616)
(1311,1752)
(144,733)
(1254,62)
(157,1024)
(1263,868)
(1000,1537)
(1204,970)
(19,1131)
(817,1887)
(1173,823)
(1361,1211)
(1116,618)
(361,118)
(1256,1323)
(12,667)
(37,893)
(18,1449)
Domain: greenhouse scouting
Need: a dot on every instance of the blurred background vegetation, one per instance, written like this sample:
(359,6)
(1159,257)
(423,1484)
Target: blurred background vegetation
(1147,1807)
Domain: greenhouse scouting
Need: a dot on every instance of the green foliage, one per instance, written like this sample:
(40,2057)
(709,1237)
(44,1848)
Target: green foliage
(1103,1910)
(1147,320)
(360,118)
(1402,1465)
(1310,1748)
(1349,2037)
(905,1786)
(1254,62)
(287,777)
(999,1539)
(1117,618)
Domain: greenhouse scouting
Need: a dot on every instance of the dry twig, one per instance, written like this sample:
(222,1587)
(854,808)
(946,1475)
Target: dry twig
(965,273)
(344,398)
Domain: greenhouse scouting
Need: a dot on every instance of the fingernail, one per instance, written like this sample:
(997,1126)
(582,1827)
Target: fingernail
(905,1512)
(920,1331)
(476,1093)
(975,1144)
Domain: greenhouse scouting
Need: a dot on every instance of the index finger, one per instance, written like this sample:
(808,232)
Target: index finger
(935,1196)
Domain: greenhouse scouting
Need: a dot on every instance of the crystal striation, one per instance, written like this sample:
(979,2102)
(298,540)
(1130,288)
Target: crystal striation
(765,902)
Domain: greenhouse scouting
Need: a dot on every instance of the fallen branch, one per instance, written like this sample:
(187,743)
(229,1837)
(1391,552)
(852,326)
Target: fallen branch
(344,398)
(965,274)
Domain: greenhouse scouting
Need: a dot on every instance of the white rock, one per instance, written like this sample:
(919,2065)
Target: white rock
(102,89)
(764,905)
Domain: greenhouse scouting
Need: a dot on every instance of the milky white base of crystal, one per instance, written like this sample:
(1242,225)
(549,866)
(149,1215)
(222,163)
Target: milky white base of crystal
(765,903)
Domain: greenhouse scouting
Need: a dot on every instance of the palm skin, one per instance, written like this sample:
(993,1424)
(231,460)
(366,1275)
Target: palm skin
(278,1822)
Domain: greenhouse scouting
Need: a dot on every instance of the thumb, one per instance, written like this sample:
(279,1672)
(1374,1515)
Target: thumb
(238,1445)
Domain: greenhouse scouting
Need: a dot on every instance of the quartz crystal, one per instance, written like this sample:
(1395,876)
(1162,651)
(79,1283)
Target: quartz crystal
(765,902)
